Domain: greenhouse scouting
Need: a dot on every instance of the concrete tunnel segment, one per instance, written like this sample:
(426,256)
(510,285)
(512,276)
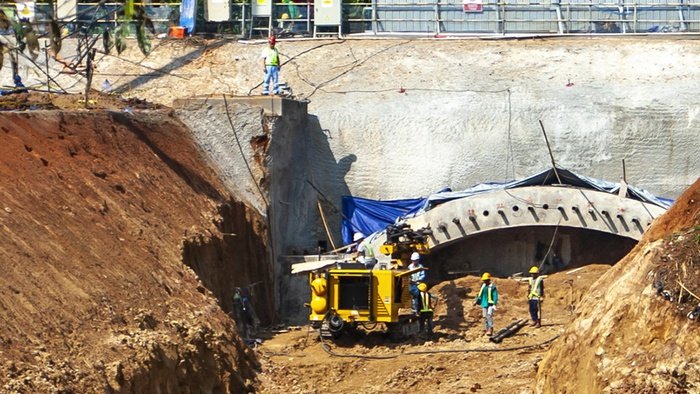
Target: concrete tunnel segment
(548,206)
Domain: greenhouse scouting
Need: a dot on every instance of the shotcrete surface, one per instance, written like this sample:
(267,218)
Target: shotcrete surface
(405,118)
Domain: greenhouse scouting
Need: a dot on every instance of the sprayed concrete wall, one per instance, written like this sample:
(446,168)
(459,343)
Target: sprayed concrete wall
(260,147)
(400,118)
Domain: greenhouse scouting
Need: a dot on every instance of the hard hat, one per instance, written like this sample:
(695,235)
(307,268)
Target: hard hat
(422,286)
(534,270)
(486,276)
(415,256)
(285,16)
(357,237)
(272,39)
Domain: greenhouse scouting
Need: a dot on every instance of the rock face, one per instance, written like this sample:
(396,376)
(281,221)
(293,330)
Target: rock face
(631,333)
(98,210)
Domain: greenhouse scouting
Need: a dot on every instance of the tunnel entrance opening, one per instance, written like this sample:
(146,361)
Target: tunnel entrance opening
(507,251)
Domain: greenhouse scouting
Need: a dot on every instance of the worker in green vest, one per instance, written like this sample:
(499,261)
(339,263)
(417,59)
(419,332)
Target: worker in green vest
(272,65)
(535,296)
(487,298)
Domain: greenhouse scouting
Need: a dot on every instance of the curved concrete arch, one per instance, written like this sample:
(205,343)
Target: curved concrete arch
(536,206)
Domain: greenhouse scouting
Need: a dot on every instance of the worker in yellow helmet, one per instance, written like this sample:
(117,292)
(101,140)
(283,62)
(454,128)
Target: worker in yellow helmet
(425,317)
(535,296)
(487,300)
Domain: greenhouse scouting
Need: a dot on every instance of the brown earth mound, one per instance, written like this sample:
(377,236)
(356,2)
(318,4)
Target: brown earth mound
(629,336)
(96,211)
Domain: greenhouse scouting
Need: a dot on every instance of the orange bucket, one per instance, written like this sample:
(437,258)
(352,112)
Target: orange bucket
(176,32)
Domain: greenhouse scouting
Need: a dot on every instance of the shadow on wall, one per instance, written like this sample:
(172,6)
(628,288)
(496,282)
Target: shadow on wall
(324,183)
(328,175)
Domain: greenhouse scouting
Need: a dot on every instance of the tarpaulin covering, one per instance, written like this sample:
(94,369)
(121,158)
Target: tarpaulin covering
(188,15)
(369,216)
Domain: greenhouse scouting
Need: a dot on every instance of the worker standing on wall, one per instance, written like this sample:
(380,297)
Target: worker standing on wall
(416,278)
(272,65)
(487,300)
(535,296)
(425,318)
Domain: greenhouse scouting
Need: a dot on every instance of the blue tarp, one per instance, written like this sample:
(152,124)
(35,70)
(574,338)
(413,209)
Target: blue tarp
(188,9)
(370,216)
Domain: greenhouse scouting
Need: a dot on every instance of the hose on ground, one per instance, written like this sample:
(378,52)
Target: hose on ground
(330,351)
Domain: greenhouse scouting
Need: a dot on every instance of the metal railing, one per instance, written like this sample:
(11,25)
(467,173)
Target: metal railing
(482,17)
(499,17)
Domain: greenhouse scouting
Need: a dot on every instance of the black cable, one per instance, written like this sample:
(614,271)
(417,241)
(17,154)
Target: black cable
(240,148)
(358,64)
(328,350)
(296,56)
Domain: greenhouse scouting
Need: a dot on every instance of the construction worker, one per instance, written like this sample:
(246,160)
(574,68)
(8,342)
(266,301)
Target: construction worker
(272,66)
(416,278)
(487,300)
(426,309)
(535,296)
(365,253)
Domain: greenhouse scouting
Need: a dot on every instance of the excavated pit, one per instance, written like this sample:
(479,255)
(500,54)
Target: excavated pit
(118,257)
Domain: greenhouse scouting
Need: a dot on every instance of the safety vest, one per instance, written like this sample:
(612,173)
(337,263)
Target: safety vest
(489,293)
(272,58)
(535,288)
(369,252)
(425,297)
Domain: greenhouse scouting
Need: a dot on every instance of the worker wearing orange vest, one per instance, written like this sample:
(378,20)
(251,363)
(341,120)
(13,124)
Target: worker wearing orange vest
(535,296)
(487,299)
(425,317)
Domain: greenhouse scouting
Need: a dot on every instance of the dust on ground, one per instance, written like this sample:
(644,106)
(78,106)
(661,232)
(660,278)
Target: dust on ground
(460,358)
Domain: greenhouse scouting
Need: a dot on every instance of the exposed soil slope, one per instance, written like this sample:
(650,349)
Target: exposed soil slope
(95,211)
(294,362)
(628,337)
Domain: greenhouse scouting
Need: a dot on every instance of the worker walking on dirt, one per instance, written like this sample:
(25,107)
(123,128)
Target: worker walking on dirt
(272,66)
(487,300)
(425,317)
(416,278)
(535,296)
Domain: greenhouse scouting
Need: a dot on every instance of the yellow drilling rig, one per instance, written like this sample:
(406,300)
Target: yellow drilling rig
(345,294)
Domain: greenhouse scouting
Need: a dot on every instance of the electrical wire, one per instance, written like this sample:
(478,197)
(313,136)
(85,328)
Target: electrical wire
(330,351)
(296,56)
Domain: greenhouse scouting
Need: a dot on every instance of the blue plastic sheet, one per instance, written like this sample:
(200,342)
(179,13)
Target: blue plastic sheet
(188,9)
(370,216)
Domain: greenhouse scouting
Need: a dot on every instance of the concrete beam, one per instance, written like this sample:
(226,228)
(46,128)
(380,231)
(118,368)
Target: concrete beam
(271,105)
(536,206)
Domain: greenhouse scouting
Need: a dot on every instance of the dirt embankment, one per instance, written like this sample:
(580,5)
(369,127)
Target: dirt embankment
(97,212)
(632,333)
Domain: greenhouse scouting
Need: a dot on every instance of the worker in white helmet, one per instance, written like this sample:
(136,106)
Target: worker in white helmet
(416,278)
(364,251)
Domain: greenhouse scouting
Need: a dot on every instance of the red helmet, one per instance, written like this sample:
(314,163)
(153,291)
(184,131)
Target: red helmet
(272,39)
